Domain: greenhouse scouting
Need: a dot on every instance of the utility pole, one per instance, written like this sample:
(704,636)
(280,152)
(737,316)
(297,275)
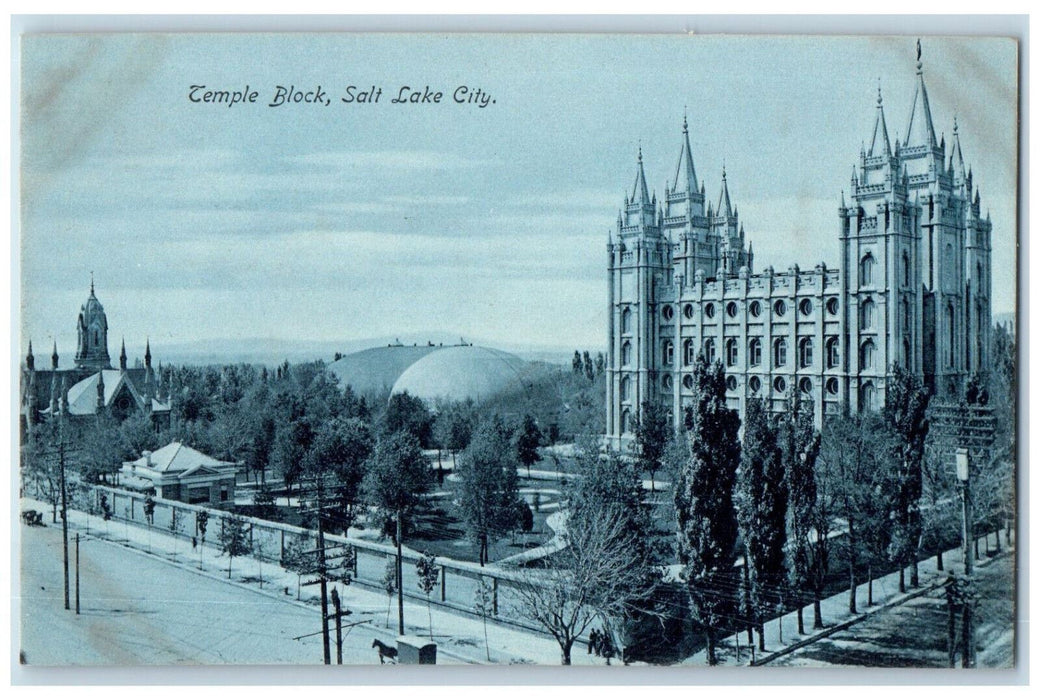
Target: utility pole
(64,508)
(323,576)
(339,627)
(964,476)
(400,579)
(77,573)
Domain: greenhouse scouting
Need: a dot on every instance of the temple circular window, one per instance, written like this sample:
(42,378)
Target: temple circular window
(709,310)
(805,384)
(731,383)
(832,306)
(779,385)
(755,309)
(687,381)
(805,306)
(687,311)
(755,384)
(667,312)
(780,308)
(832,385)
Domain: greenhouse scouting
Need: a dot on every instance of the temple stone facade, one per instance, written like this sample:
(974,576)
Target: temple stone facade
(912,286)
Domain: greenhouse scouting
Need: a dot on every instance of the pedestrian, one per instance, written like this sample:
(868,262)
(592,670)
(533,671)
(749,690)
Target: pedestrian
(593,639)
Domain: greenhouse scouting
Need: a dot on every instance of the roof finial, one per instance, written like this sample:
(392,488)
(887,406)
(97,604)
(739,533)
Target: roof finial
(91,283)
(919,55)
(640,142)
(684,128)
(879,91)
(954,124)
(723,168)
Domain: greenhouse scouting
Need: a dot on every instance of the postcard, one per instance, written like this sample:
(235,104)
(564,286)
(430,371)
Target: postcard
(557,349)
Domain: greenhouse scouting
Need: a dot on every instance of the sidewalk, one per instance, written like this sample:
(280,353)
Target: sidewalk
(781,633)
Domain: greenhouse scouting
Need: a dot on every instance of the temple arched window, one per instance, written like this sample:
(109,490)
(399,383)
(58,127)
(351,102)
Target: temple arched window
(626,354)
(626,321)
(866,269)
(831,350)
(867,313)
(668,352)
(805,352)
(688,353)
(709,350)
(755,352)
(779,352)
(866,355)
(867,397)
(731,352)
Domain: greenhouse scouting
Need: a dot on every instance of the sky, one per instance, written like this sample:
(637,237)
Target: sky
(204,221)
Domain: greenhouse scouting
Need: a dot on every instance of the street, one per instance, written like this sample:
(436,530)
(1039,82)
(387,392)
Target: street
(913,634)
(136,610)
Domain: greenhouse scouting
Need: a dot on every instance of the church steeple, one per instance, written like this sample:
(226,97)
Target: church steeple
(725,207)
(92,334)
(147,352)
(122,356)
(920,131)
(879,144)
(685,173)
(960,176)
(640,193)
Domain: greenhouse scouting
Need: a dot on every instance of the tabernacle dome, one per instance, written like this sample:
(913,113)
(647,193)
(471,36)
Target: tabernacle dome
(462,372)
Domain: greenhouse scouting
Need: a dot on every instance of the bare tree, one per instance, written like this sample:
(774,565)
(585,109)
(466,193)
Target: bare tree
(600,574)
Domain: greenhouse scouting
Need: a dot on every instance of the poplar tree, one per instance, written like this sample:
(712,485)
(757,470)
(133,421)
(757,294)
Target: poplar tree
(761,503)
(808,514)
(705,517)
(906,406)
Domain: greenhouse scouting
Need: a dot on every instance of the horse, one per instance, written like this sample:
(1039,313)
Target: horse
(385,651)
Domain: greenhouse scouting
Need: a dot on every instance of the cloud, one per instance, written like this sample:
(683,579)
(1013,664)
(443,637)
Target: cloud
(341,161)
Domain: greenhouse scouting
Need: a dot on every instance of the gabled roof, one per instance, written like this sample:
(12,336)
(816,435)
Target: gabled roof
(83,394)
(181,460)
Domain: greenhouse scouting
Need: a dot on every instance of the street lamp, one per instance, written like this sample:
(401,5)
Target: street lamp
(964,476)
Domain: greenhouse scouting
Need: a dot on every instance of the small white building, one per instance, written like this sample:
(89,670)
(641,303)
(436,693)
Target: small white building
(179,473)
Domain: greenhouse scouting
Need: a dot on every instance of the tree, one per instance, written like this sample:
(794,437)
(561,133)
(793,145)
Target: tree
(855,463)
(292,442)
(102,450)
(234,539)
(905,414)
(576,363)
(407,413)
(454,428)
(527,438)
(808,521)
(587,364)
(487,485)
(396,477)
(337,457)
(176,525)
(428,573)
(761,503)
(263,503)
(652,430)
(201,522)
(483,605)
(389,582)
(300,558)
(601,573)
(704,511)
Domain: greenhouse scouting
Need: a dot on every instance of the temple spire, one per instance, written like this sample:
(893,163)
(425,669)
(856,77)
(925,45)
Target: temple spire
(957,157)
(685,172)
(879,144)
(920,130)
(54,356)
(147,353)
(122,356)
(30,361)
(640,193)
(725,207)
